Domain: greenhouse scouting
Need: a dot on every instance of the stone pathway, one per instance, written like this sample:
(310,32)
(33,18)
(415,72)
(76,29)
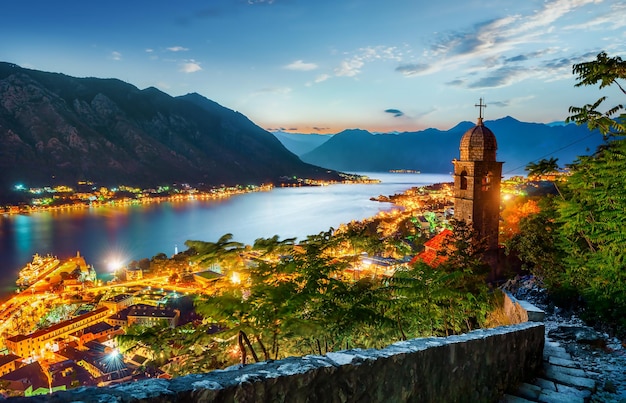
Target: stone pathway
(560,380)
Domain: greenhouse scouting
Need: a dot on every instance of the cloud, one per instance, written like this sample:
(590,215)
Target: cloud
(322,78)
(190,66)
(261,2)
(177,49)
(614,19)
(487,47)
(320,129)
(319,79)
(500,104)
(148,50)
(299,65)
(395,112)
(518,58)
(352,65)
(273,90)
(501,77)
(410,70)
(349,68)
(456,83)
(116,56)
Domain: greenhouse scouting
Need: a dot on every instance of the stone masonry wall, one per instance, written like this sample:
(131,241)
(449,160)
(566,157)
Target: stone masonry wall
(474,367)
(519,311)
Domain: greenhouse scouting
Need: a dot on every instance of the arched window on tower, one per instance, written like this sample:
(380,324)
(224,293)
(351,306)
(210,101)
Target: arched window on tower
(486,182)
(463,180)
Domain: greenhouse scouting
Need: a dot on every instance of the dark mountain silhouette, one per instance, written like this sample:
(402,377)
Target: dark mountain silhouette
(432,150)
(57,129)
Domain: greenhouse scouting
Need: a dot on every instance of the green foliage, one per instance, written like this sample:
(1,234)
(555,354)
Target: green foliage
(302,303)
(593,220)
(537,245)
(576,244)
(207,253)
(542,167)
(606,71)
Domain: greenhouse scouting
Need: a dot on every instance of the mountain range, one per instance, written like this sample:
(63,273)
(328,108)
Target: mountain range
(57,129)
(432,150)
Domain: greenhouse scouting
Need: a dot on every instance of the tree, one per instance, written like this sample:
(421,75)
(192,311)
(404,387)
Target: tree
(544,167)
(606,71)
(215,252)
(578,246)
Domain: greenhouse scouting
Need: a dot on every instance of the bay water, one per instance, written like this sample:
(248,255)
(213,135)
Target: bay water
(125,233)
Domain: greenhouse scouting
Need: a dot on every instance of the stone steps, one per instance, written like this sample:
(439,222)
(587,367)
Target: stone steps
(561,380)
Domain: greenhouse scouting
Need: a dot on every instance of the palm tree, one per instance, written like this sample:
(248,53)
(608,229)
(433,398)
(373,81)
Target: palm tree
(214,252)
(544,167)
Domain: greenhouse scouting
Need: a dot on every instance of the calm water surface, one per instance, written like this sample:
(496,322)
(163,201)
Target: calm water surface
(134,232)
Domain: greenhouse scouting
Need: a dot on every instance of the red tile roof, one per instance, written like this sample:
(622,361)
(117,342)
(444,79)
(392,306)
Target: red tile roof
(431,255)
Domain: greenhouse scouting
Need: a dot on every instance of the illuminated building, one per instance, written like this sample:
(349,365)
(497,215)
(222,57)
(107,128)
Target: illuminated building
(144,315)
(477,177)
(118,302)
(9,363)
(36,343)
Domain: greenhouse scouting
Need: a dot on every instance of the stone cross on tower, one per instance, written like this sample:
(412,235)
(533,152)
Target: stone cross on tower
(480,105)
(477,177)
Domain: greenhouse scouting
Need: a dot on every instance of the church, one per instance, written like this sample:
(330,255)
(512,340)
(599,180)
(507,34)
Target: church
(477,177)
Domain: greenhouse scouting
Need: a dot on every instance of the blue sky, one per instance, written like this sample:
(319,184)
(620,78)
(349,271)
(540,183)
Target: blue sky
(318,66)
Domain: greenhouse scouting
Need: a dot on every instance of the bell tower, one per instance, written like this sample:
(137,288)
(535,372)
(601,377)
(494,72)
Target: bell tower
(477,177)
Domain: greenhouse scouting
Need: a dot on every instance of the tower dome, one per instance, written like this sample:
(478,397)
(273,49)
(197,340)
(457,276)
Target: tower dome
(478,144)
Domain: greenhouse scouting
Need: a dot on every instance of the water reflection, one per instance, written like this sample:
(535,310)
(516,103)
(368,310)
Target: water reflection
(136,231)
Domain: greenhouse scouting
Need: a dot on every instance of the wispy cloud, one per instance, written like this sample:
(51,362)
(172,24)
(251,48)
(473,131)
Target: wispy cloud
(300,65)
(190,66)
(116,56)
(493,48)
(177,49)
(273,90)
(349,68)
(322,78)
(410,70)
(614,19)
(501,77)
(395,112)
(456,83)
(353,64)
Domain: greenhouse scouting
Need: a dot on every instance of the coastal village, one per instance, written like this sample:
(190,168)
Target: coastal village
(86,194)
(60,330)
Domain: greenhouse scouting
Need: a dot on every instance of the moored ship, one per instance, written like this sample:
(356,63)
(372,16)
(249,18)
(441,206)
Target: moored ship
(36,270)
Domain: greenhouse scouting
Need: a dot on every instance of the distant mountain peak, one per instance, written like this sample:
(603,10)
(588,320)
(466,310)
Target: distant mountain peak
(58,129)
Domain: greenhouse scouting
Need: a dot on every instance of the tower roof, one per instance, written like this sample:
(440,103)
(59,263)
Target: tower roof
(478,144)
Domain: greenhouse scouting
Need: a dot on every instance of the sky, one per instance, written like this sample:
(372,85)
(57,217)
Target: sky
(322,66)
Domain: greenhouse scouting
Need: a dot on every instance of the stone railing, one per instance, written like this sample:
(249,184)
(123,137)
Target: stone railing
(475,367)
(519,311)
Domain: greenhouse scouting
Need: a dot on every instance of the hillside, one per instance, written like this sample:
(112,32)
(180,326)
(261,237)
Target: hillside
(57,129)
(432,150)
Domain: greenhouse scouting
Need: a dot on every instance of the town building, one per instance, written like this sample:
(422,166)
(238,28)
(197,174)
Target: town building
(29,380)
(36,343)
(9,363)
(433,253)
(118,302)
(145,315)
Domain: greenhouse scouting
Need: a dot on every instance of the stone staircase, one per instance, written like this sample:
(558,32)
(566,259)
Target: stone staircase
(560,380)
